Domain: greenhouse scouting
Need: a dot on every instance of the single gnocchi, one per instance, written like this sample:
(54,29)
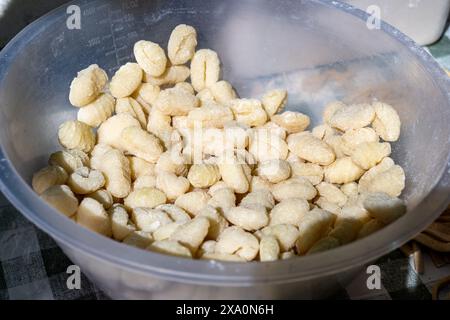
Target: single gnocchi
(48,177)
(76,135)
(126,80)
(150,57)
(87,86)
(182,44)
(310,148)
(205,69)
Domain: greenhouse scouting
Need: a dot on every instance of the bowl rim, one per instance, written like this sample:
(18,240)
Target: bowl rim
(70,235)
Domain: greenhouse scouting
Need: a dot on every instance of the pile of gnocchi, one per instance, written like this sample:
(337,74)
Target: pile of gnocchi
(191,170)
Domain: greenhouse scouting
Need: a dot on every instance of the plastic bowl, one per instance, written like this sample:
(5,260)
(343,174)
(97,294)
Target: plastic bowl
(319,50)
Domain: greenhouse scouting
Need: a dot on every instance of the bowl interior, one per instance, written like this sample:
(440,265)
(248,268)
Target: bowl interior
(317,52)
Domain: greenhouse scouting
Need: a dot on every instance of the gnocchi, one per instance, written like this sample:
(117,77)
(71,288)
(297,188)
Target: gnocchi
(189,168)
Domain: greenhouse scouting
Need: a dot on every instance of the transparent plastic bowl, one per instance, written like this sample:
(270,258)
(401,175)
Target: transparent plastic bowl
(319,50)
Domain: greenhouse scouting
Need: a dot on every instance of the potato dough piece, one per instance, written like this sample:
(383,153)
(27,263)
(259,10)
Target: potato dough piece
(274,101)
(324,244)
(85,180)
(139,167)
(146,95)
(203,175)
(133,108)
(170,247)
(274,171)
(144,182)
(207,247)
(267,145)
(223,199)
(150,57)
(185,86)
(110,131)
(313,227)
(69,160)
(182,44)
(234,175)
(330,110)
(95,113)
(384,207)
(350,189)
(353,117)
(76,135)
(234,240)
(223,92)
(335,142)
(343,170)
(329,206)
(217,223)
(210,115)
(92,215)
(165,232)
(311,171)
(138,239)
(126,80)
(274,128)
(62,199)
(391,181)
(293,122)
(159,125)
(176,213)
(193,202)
(172,185)
(171,161)
(332,193)
(387,122)
(370,227)
(346,231)
(259,197)
(192,233)
(172,76)
(354,137)
(324,132)
(206,96)
(286,234)
(104,197)
(150,220)
(205,69)
(352,213)
(269,249)
(249,219)
(249,112)
(48,177)
(296,187)
(259,183)
(88,84)
(367,177)
(176,102)
(369,154)
(289,211)
(116,169)
(120,222)
(145,198)
(310,148)
(141,143)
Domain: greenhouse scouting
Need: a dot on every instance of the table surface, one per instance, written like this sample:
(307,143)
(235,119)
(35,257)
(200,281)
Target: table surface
(32,266)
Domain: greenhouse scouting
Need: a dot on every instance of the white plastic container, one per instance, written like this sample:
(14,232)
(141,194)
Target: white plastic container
(422,20)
